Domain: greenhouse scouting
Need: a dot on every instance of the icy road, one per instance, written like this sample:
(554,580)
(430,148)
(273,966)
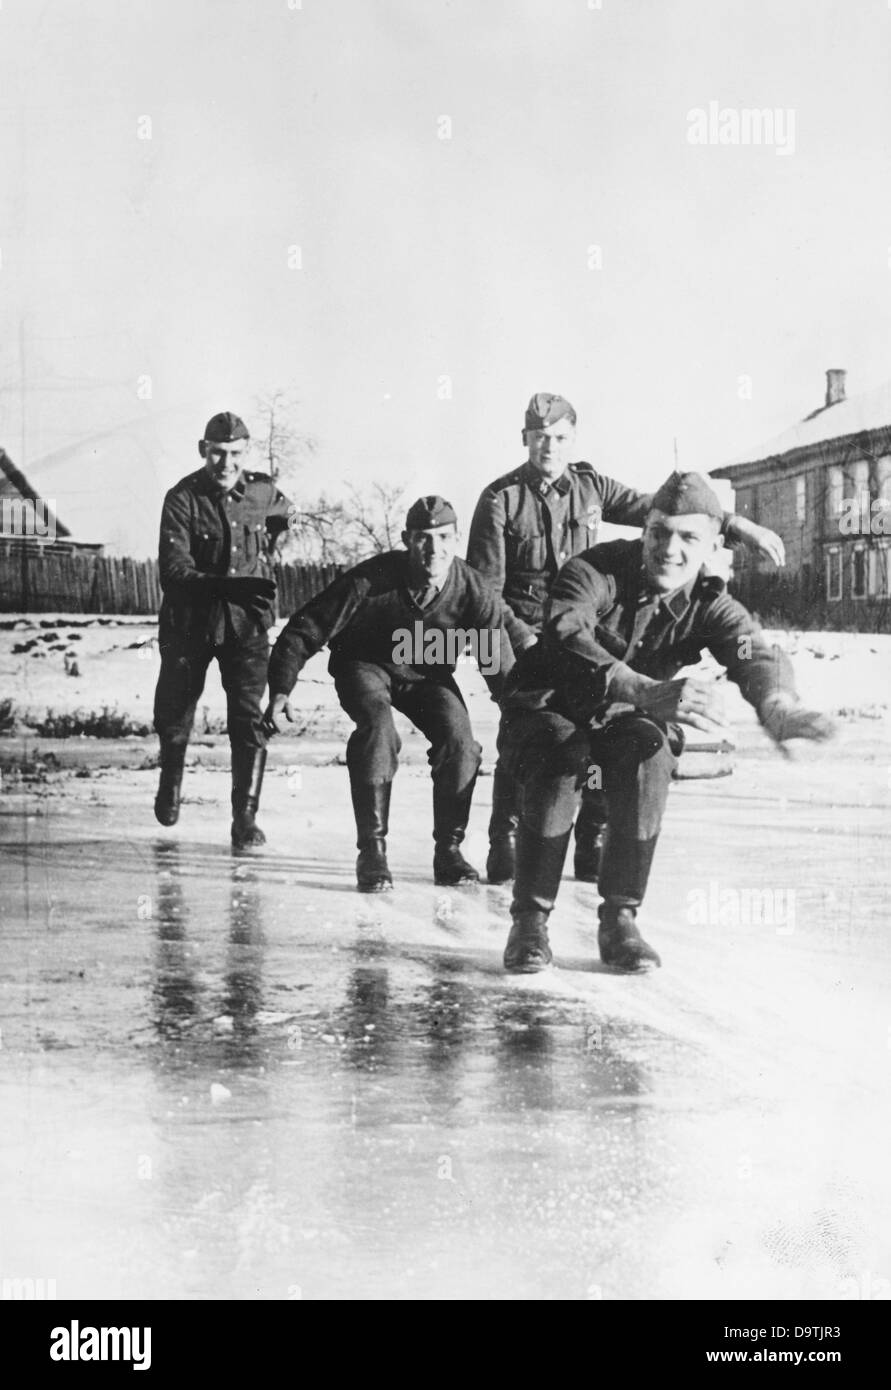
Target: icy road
(238,1078)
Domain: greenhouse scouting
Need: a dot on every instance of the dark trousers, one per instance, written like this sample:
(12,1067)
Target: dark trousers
(369,693)
(243,664)
(551,760)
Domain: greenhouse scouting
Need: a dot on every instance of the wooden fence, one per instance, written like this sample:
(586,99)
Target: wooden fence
(50,580)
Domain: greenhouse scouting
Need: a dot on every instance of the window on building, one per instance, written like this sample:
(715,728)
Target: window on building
(859,569)
(835,491)
(800,499)
(833,573)
(858,486)
(880,571)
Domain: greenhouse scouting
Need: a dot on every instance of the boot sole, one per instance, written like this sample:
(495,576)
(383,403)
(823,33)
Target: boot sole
(168,819)
(528,967)
(385,887)
(642,967)
(465,882)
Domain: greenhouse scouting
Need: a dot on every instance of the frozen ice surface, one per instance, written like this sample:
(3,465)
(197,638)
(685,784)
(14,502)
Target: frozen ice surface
(405,1121)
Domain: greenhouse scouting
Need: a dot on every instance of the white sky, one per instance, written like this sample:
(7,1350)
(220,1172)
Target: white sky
(425,257)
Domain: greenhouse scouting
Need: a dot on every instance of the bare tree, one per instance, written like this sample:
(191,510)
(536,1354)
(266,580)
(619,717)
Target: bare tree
(282,444)
(329,530)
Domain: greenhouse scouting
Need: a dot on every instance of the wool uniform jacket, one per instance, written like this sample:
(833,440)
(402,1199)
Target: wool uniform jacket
(208,535)
(602,622)
(360,614)
(523,529)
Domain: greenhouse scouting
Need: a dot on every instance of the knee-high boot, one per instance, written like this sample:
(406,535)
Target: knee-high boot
(540,862)
(248,766)
(371,807)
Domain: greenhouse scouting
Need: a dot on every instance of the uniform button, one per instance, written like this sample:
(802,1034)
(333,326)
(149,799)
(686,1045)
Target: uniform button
(562,554)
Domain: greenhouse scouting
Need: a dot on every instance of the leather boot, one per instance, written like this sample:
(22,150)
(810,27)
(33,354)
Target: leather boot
(450,816)
(167,801)
(528,949)
(248,765)
(620,941)
(589,827)
(502,858)
(623,883)
(371,807)
(540,862)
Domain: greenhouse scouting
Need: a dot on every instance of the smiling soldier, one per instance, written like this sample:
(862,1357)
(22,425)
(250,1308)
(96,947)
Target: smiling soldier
(526,525)
(600,691)
(218,530)
(390,624)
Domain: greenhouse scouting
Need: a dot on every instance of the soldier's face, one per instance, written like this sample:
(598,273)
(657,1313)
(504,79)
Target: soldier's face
(551,448)
(676,547)
(224,462)
(431,552)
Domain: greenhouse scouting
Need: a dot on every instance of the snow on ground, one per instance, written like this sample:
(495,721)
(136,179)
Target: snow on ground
(237,1077)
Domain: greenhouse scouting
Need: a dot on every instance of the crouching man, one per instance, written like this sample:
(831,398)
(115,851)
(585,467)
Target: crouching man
(396,625)
(218,530)
(599,694)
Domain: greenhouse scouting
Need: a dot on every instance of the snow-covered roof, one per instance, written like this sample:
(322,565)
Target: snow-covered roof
(855,415)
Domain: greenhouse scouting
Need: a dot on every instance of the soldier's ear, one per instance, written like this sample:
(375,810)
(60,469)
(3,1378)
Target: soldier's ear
(405,538)
(202,448)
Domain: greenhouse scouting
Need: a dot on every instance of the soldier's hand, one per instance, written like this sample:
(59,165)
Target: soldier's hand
(767,543)
(689,701)
(784,718)
(250,590)
(278,716)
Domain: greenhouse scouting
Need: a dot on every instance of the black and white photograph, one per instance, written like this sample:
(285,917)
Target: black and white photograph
(445,655)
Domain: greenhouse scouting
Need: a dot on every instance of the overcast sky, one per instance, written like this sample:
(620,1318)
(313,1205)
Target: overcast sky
(424,258)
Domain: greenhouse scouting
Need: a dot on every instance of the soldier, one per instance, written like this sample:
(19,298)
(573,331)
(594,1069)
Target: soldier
(598,692)
(396,625)
(218,529)
(526,525)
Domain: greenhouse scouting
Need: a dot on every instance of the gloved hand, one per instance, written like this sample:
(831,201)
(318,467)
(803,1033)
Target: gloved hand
(784,718)
(248,590)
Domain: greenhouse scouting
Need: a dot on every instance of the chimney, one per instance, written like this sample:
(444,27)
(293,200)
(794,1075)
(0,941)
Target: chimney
(835,385)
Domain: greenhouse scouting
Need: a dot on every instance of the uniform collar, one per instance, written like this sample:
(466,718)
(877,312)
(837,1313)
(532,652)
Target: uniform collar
(218,493)
(676,603)
(539,484)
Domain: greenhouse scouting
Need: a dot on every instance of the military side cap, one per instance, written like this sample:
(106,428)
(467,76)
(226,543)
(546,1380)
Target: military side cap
(685,493)
(546,409)
(429,512)
(225,427)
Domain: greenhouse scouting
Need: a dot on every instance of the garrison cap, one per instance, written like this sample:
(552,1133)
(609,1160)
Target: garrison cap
(684,493)
(225,427)
(429,512)
(546,409)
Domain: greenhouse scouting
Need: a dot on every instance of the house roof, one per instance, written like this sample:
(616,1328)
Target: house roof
(853,416)
(13,481)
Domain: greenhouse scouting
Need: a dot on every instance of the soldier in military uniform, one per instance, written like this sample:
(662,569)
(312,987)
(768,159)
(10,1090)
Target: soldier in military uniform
(599,692)
(526,525)
(393,626)
(218,529)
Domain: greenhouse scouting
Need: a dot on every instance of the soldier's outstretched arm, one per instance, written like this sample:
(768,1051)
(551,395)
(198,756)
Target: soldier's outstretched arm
(763,674)
(305,633)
